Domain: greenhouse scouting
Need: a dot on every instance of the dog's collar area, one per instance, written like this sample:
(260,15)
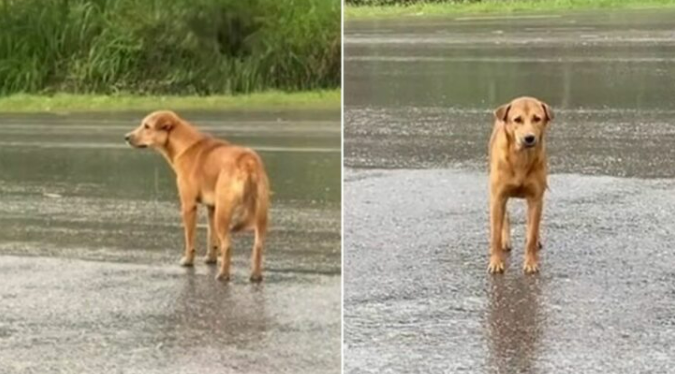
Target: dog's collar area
(168,133)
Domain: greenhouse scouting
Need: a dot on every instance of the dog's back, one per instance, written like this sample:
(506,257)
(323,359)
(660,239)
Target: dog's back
(221,167)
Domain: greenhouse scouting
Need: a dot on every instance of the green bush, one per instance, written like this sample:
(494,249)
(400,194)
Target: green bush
(168,47)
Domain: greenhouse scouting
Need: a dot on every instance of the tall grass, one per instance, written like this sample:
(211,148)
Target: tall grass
(188,47)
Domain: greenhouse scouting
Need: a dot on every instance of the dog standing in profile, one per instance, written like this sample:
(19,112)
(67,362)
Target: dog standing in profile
(518,168)
(229,180)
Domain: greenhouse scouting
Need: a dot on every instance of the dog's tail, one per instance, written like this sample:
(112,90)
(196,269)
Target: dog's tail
(256,199)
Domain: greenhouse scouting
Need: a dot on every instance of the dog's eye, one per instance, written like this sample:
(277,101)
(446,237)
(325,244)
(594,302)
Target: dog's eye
(518,120)
(146,126)
(536,119)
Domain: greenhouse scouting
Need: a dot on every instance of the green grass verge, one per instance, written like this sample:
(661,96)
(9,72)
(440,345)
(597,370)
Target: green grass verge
(496,6)
(273,100)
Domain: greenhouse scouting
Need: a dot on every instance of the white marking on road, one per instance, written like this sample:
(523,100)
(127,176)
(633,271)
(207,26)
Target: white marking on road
(73,145)
(510,17)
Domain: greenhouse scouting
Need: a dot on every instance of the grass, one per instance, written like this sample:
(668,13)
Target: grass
(161,47)
(271,100)
(493,6)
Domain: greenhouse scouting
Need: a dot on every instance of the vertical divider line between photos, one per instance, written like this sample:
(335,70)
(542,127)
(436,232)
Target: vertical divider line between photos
(342,185)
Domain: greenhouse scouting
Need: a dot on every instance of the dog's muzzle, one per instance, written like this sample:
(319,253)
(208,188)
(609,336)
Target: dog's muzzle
(529,141)
(129,139)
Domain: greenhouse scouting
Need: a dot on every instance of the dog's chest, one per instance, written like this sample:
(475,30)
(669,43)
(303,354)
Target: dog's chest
(519,179)
(521,185)
(523,176)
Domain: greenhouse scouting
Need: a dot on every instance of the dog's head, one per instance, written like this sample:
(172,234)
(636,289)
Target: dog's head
(525,120)
(154,130)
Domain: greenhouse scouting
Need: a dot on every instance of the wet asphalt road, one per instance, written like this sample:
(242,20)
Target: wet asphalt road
(419,95)
(90,239)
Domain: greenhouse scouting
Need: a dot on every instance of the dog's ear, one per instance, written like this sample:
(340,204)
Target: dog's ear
(547,111)
(166,125)
(502,112)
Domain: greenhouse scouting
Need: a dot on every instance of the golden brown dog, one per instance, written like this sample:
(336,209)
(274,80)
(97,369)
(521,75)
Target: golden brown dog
(228,179)
(518,168)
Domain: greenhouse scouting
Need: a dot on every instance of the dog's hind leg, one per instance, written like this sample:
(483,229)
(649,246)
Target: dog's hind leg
(212,242)
(223,216)
(228,197)
(256,198)
(258,245)
(506,233)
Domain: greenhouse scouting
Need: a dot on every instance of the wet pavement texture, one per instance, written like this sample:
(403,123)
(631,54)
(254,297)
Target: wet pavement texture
(419,96)
(90,239)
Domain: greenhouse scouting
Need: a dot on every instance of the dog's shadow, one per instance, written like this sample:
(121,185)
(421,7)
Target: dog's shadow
(514,322)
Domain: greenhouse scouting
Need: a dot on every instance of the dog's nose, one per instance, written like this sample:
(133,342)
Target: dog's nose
(127,137)
(530,139)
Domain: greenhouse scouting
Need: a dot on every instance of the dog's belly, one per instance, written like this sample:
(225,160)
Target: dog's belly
(238,212)
(519,191)
(208,199)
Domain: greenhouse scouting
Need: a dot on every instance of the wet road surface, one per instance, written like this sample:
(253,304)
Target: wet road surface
(419,96)
(90,239)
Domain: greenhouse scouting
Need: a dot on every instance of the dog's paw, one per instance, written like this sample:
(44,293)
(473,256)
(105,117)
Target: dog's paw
(210,260)
(496,265)
(186,261)
(223,276)
(256,278)
(531,267)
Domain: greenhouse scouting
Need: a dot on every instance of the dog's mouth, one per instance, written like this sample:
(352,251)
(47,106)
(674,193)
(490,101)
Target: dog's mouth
(132,145)
(529,145)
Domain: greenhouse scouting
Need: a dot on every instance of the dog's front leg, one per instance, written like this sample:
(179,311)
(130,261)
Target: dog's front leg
(534,208)
(506,232)
(189,214)
(497,211)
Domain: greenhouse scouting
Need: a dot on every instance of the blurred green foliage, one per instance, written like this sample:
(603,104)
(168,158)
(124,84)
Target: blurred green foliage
(188,47)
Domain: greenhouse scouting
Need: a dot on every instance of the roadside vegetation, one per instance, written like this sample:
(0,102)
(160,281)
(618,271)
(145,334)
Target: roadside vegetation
(364,9)
(268,100)
(161,47)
